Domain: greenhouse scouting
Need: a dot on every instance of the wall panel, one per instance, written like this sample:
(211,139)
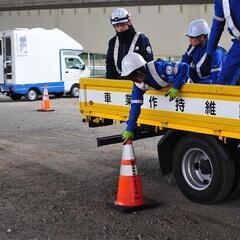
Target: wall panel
(164,25)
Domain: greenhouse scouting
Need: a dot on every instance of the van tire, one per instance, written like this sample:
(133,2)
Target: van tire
(203,170)
(15,96)
(74,92)
(32,94)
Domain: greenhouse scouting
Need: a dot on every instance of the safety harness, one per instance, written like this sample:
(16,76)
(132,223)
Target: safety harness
(131,49)
(161,82)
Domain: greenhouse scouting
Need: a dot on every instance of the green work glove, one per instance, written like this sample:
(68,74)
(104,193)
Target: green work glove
(172,92)
(126,135)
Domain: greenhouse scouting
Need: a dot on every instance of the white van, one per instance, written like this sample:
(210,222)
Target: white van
(33,58)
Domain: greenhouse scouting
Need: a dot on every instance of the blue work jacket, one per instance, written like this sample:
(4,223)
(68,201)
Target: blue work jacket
(142,47)
(159,74)
(195,56)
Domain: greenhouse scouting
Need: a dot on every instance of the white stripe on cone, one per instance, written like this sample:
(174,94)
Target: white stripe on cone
(128,170)
(45,97)
(128,152)
(45,94)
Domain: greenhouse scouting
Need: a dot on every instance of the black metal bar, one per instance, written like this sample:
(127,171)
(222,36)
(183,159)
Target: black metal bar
(102,141)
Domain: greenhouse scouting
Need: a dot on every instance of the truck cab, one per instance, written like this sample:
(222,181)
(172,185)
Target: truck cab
(73,68)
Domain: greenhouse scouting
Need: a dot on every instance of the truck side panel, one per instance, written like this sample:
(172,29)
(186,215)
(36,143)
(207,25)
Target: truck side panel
(208,109)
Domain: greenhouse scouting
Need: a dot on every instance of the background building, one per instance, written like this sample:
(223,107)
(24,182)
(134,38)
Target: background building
(165,25)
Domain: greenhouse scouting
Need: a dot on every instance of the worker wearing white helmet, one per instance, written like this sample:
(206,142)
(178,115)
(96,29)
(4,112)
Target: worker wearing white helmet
(195,55)
(126,40)
(155,74)
(197,28)
(120,15)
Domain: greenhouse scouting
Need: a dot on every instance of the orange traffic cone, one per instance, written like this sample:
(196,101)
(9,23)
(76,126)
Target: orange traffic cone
(45,105)
(130,195)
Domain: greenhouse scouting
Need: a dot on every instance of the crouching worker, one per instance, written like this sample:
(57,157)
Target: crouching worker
(155,74)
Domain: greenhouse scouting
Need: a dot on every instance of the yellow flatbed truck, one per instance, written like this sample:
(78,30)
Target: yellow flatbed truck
(200,131)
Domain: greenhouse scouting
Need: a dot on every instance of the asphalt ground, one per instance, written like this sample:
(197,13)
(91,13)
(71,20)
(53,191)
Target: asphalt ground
(55,183)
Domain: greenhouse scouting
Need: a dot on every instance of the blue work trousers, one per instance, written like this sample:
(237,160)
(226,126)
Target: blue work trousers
(230,71)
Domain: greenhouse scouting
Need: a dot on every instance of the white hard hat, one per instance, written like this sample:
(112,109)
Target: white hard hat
(120,15)
(198,27)
(131,62)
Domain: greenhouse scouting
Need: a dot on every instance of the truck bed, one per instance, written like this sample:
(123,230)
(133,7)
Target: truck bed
(200,108)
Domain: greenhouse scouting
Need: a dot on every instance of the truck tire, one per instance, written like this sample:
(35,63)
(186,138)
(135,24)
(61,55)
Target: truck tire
(74,92)
(32,94)
(15,96)
(203,170)
(234,150)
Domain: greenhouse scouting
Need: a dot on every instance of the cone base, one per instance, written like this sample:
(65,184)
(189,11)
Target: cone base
(148,204)
(45,110)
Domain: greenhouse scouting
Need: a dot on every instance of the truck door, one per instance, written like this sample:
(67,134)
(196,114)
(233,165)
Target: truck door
(1,62)
(72,67)
(7,59)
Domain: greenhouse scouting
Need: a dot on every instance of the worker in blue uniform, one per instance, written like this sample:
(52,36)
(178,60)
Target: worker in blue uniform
(226,11)
(155,74)
(126,40)
(195,55)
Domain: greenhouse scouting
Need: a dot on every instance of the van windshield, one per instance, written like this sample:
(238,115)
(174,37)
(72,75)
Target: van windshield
(73,63)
